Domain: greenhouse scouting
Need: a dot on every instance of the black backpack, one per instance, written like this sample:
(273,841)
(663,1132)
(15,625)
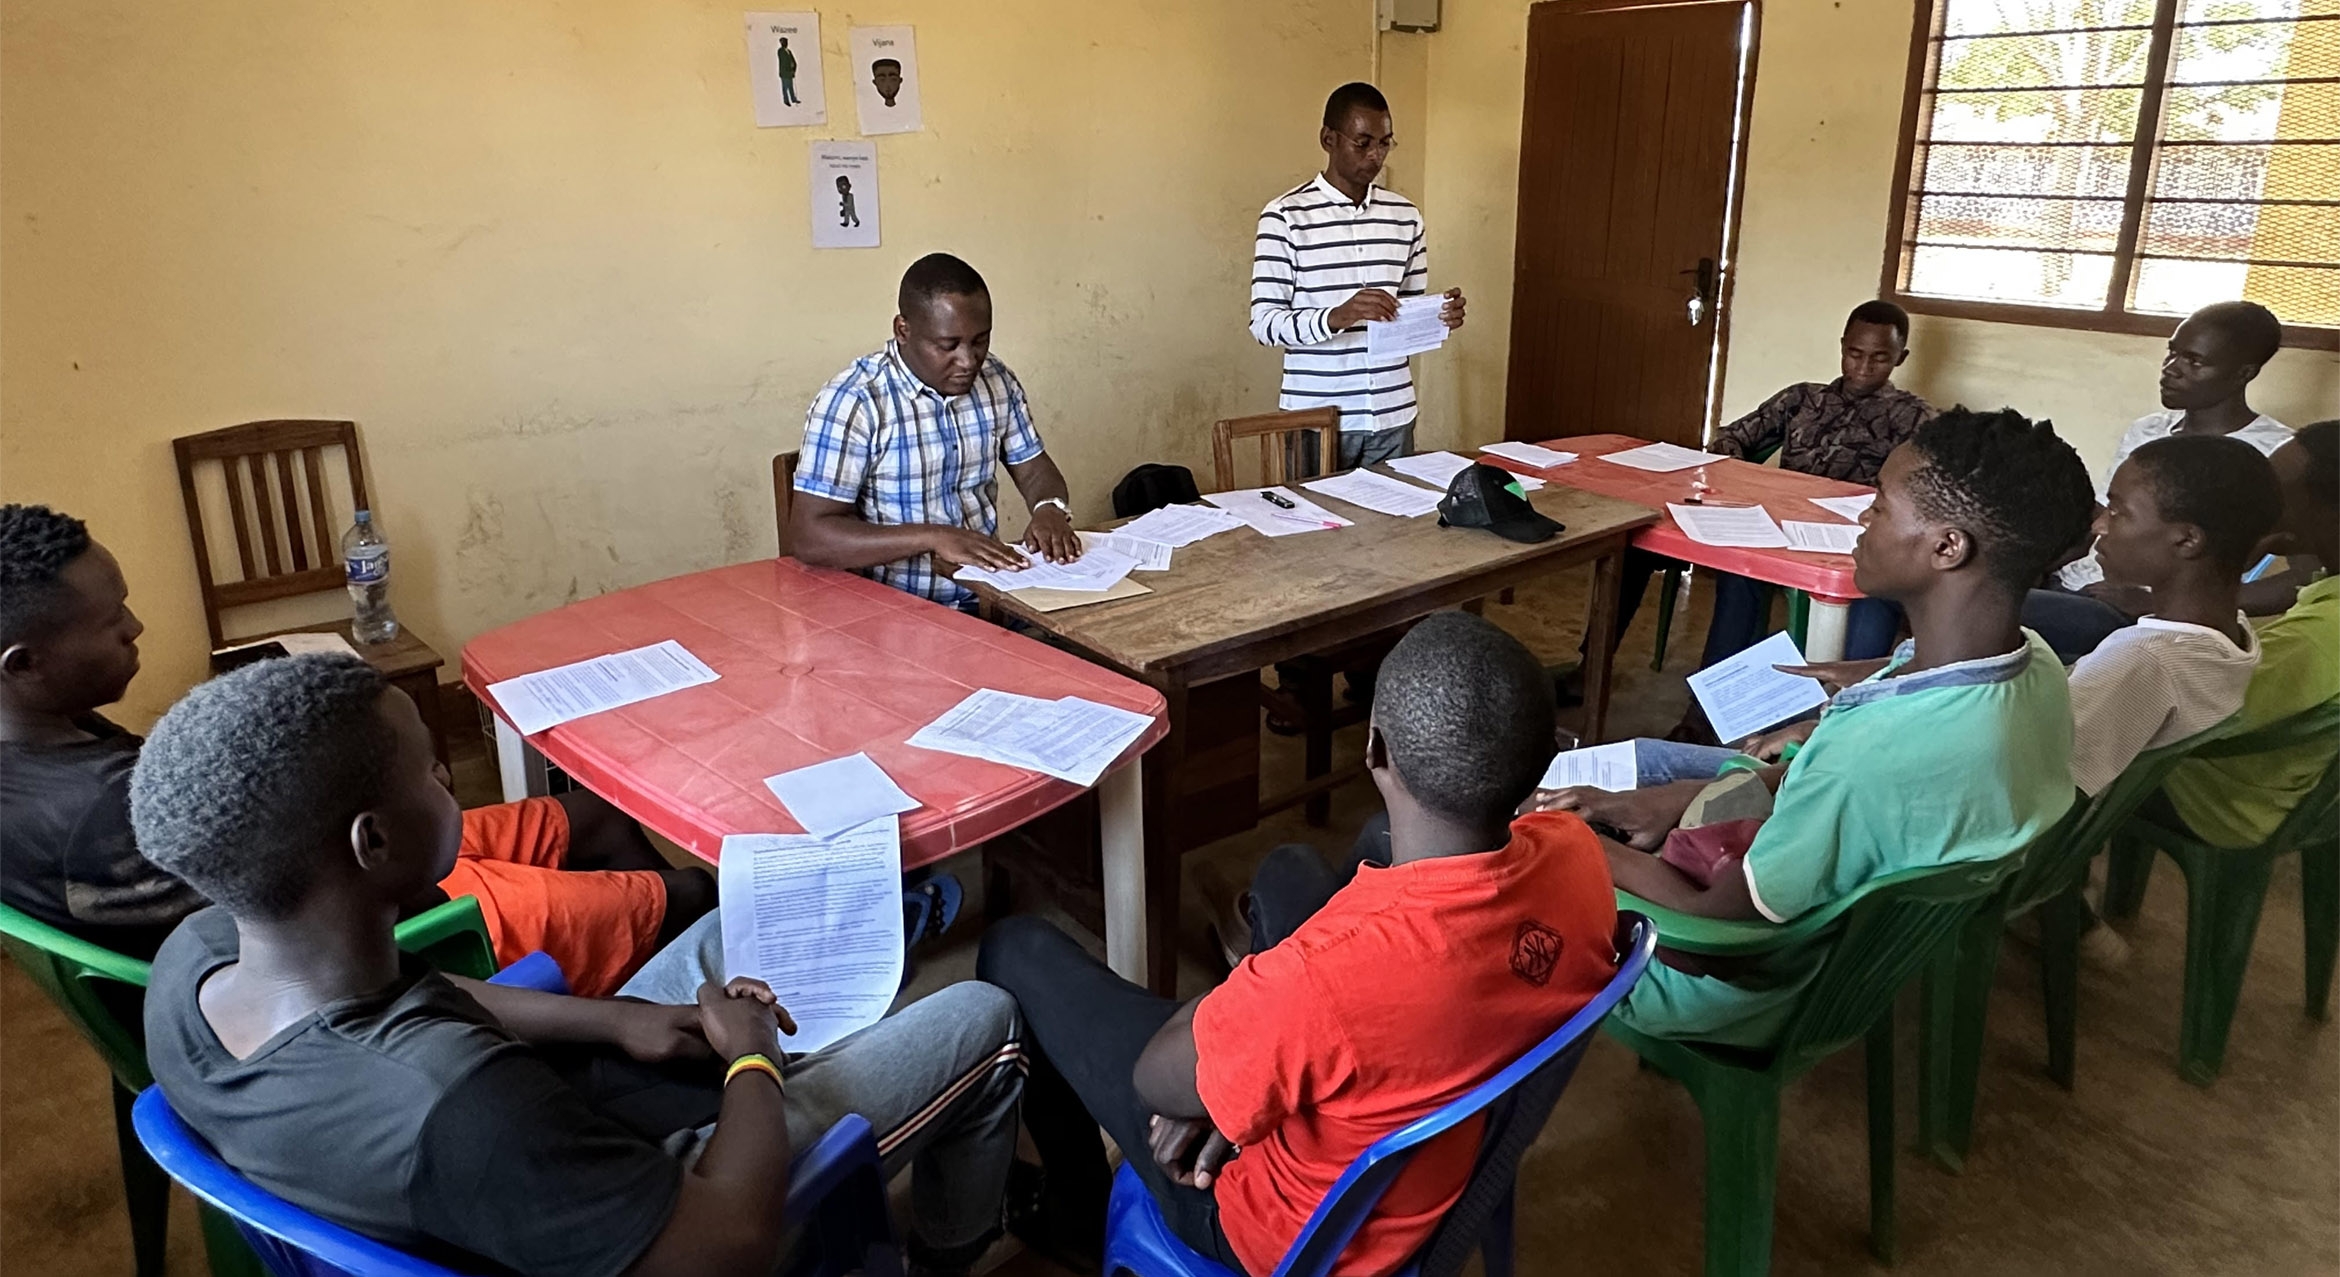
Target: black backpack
(1150,487)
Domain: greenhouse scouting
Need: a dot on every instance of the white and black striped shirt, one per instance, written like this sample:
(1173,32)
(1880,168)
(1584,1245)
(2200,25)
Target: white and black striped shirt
(1315,250)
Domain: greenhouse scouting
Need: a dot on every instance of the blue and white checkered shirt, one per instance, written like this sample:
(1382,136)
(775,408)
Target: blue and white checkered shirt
(900,452)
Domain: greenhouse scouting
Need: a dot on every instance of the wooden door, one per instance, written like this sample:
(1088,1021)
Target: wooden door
(1625,178)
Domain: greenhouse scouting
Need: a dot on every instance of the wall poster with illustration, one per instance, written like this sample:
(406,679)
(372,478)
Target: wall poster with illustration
(844,195)
(784,69)
(885,80)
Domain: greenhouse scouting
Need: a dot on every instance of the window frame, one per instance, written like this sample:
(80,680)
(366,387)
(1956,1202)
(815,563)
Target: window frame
(2114,317)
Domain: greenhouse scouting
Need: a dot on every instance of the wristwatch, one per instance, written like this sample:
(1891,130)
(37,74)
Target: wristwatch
(1058,502)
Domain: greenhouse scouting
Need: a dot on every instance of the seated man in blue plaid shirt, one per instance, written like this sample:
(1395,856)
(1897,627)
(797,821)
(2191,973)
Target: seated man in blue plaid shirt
(898,474)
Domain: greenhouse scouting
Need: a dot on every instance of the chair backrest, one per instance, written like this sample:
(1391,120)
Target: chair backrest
(2051,867)
(1516,1101)
(783,493)
(75,974)
(1889,929)
(287,536)
(1276,430)
(2317,725)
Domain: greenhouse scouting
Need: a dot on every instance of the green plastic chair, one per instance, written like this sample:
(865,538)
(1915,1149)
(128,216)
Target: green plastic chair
(1799,604)
(2226,887)
(1956,989)
(76,975)
(1876,939)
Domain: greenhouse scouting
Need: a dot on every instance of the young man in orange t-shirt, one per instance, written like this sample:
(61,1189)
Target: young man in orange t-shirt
(1392,995)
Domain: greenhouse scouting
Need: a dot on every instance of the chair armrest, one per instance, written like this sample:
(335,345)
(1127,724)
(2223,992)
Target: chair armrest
(538,971)
(452,937)
(842,1151)
(1719,937)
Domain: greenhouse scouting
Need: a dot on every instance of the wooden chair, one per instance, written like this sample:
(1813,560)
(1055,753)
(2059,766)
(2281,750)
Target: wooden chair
(1303,694)
(288,539)
(783,494)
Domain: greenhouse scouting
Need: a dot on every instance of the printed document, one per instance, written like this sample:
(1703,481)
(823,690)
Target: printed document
(1828,538)
(1749,526)
(1612,767)
(1094,570)
(1846,507)
(548,698)
(820,920)
(1180,525)
(1529,454)
(1744,695)
(840,794)
(1269,519)
(1663,457)
(1378,493)
(1071,739)
(1438,469)
(1150,556)
(1417,328)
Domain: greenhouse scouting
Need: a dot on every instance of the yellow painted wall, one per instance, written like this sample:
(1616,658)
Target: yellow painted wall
(1828,89)
(538,251)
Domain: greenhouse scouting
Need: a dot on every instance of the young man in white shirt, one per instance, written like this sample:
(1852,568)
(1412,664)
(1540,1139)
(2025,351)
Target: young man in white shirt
(1332,255)
(2205,379)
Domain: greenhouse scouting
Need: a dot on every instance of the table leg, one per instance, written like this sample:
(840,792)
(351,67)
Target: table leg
(1121,836)
(518,764)
(1824,631)
(1600,657)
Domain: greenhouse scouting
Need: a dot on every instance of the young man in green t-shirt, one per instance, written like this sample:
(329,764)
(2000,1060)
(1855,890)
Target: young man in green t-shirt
(1958,748)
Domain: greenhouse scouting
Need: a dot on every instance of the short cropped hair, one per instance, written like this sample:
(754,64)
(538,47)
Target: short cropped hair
(1885,313)
(937,275)
(1466,713)
(1349,97)
(249,782)
(2321,441)
(895,63)
(2022,493)
(37,544)
(2219,484)
(2253,328)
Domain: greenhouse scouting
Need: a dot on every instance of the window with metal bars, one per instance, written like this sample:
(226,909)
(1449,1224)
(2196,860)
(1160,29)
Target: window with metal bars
(2114,164)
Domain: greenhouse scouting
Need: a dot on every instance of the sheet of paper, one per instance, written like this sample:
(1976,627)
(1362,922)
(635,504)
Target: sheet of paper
(1529,454)
(844,193)
(1150,556)
(784,69)
(300,643)
(1097,569)
(1059,600)
(1180,525)
(1417,328)
(1071,739)
(548,698)
(1744,695)
(1378,493)
(1749,526)
(1438,469)
(1613,767)
(1846,507)
(820,920)
(1663,457)
(1828,538)
(1269,519)
(885,79)
(840,794)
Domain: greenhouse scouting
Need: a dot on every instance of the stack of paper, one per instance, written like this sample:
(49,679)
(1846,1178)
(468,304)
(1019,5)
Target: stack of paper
(1151,556)
(548,698)
(1297,514)
(1417,328)
(1094,570)
(1180,525)
(1826,538)
(1747,526)
(1529,454)
(818,919)
(1846,507)
(840,794)
(1613,767)
(1438,469)
(1663,457)
(1744,694)
(1378,493)
(1071,739)
(297,643)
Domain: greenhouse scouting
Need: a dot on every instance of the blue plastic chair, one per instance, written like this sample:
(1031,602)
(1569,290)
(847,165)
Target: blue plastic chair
(837,1191)
(1516,1102)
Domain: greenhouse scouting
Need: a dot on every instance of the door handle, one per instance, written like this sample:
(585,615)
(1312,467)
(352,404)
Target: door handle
(1703,287)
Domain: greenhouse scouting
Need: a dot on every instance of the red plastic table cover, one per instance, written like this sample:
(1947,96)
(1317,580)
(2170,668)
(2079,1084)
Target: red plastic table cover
(1785,493)
(815,664)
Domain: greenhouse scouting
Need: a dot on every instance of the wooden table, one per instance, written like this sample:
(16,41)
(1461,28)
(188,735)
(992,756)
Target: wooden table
(1235,603)
(1786,494)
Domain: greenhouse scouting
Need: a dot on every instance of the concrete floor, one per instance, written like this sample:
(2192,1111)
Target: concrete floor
(2134,1172)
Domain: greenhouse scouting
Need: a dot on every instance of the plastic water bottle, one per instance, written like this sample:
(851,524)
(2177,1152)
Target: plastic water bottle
(365,558)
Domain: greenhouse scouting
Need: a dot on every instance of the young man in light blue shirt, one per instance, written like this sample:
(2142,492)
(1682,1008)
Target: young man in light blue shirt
(1957,748)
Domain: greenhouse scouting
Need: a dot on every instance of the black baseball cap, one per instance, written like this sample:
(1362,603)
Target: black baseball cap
(1483,496)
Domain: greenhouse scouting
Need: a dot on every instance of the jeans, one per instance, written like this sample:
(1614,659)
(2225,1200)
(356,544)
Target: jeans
(1358,448)
(960,1046)
(1088,1026)
(2073,624)
(1662,762)
(1742,616)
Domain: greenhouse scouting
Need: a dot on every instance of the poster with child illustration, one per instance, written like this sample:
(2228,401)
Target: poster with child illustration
(885,80)
(844,188)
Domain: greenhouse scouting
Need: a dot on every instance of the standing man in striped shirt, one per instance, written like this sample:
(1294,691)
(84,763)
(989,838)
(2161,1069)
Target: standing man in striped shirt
(1335,254)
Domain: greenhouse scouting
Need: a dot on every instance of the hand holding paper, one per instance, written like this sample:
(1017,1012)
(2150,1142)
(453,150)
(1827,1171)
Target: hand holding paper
(1744,694)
